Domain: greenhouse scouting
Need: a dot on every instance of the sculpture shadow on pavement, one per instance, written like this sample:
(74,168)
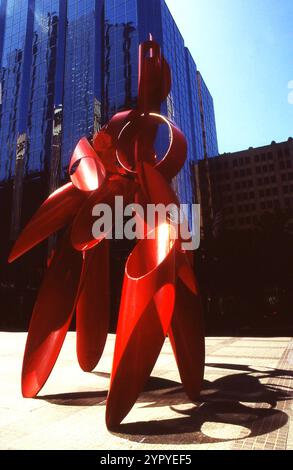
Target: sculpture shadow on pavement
(236,400)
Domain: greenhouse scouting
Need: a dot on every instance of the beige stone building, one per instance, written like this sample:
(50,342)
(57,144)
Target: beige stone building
(244,185)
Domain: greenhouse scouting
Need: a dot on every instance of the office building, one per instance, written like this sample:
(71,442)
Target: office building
(247,184)
(66,66)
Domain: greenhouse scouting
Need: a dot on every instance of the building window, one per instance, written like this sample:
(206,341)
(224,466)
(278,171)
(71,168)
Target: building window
(276,204)
(287,151)
(287,202)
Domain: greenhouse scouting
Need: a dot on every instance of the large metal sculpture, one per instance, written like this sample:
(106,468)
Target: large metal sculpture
(160,295)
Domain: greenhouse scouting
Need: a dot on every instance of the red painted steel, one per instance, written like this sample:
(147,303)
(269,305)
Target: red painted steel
(186,331)
(160,295)
(93,308)
(51,318)
(81,236)
(146,310)
(86,170)
(56,212)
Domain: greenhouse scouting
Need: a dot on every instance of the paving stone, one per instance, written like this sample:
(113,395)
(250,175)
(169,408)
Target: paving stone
(245,403)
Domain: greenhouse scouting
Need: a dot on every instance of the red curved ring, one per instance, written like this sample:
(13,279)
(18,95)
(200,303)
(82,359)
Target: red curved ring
(172,161)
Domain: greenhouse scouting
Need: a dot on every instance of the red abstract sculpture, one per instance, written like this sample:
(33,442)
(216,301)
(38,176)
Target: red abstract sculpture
(160,295)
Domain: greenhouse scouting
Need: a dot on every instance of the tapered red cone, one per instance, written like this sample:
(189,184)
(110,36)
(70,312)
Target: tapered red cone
(145,314)
(92,310)
(187,339)
(51,318)
(57,211)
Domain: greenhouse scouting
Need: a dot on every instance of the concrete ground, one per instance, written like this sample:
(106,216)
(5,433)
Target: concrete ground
(245,403)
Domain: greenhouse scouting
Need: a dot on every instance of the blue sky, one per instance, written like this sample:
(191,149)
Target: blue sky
(244,49)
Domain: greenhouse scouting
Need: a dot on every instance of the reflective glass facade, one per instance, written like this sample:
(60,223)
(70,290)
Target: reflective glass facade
(194,108)
(79,79)
(50,58)
(66,66)
(42,86)
(121,41)
(12,76)
(207,111)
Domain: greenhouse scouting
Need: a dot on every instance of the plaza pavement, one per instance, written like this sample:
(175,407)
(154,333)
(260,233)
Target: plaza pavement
(246,402)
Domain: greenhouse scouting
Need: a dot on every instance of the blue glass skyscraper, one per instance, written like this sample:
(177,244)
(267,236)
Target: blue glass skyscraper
(208,122)
(14,23)
(82,74)
(66,66)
